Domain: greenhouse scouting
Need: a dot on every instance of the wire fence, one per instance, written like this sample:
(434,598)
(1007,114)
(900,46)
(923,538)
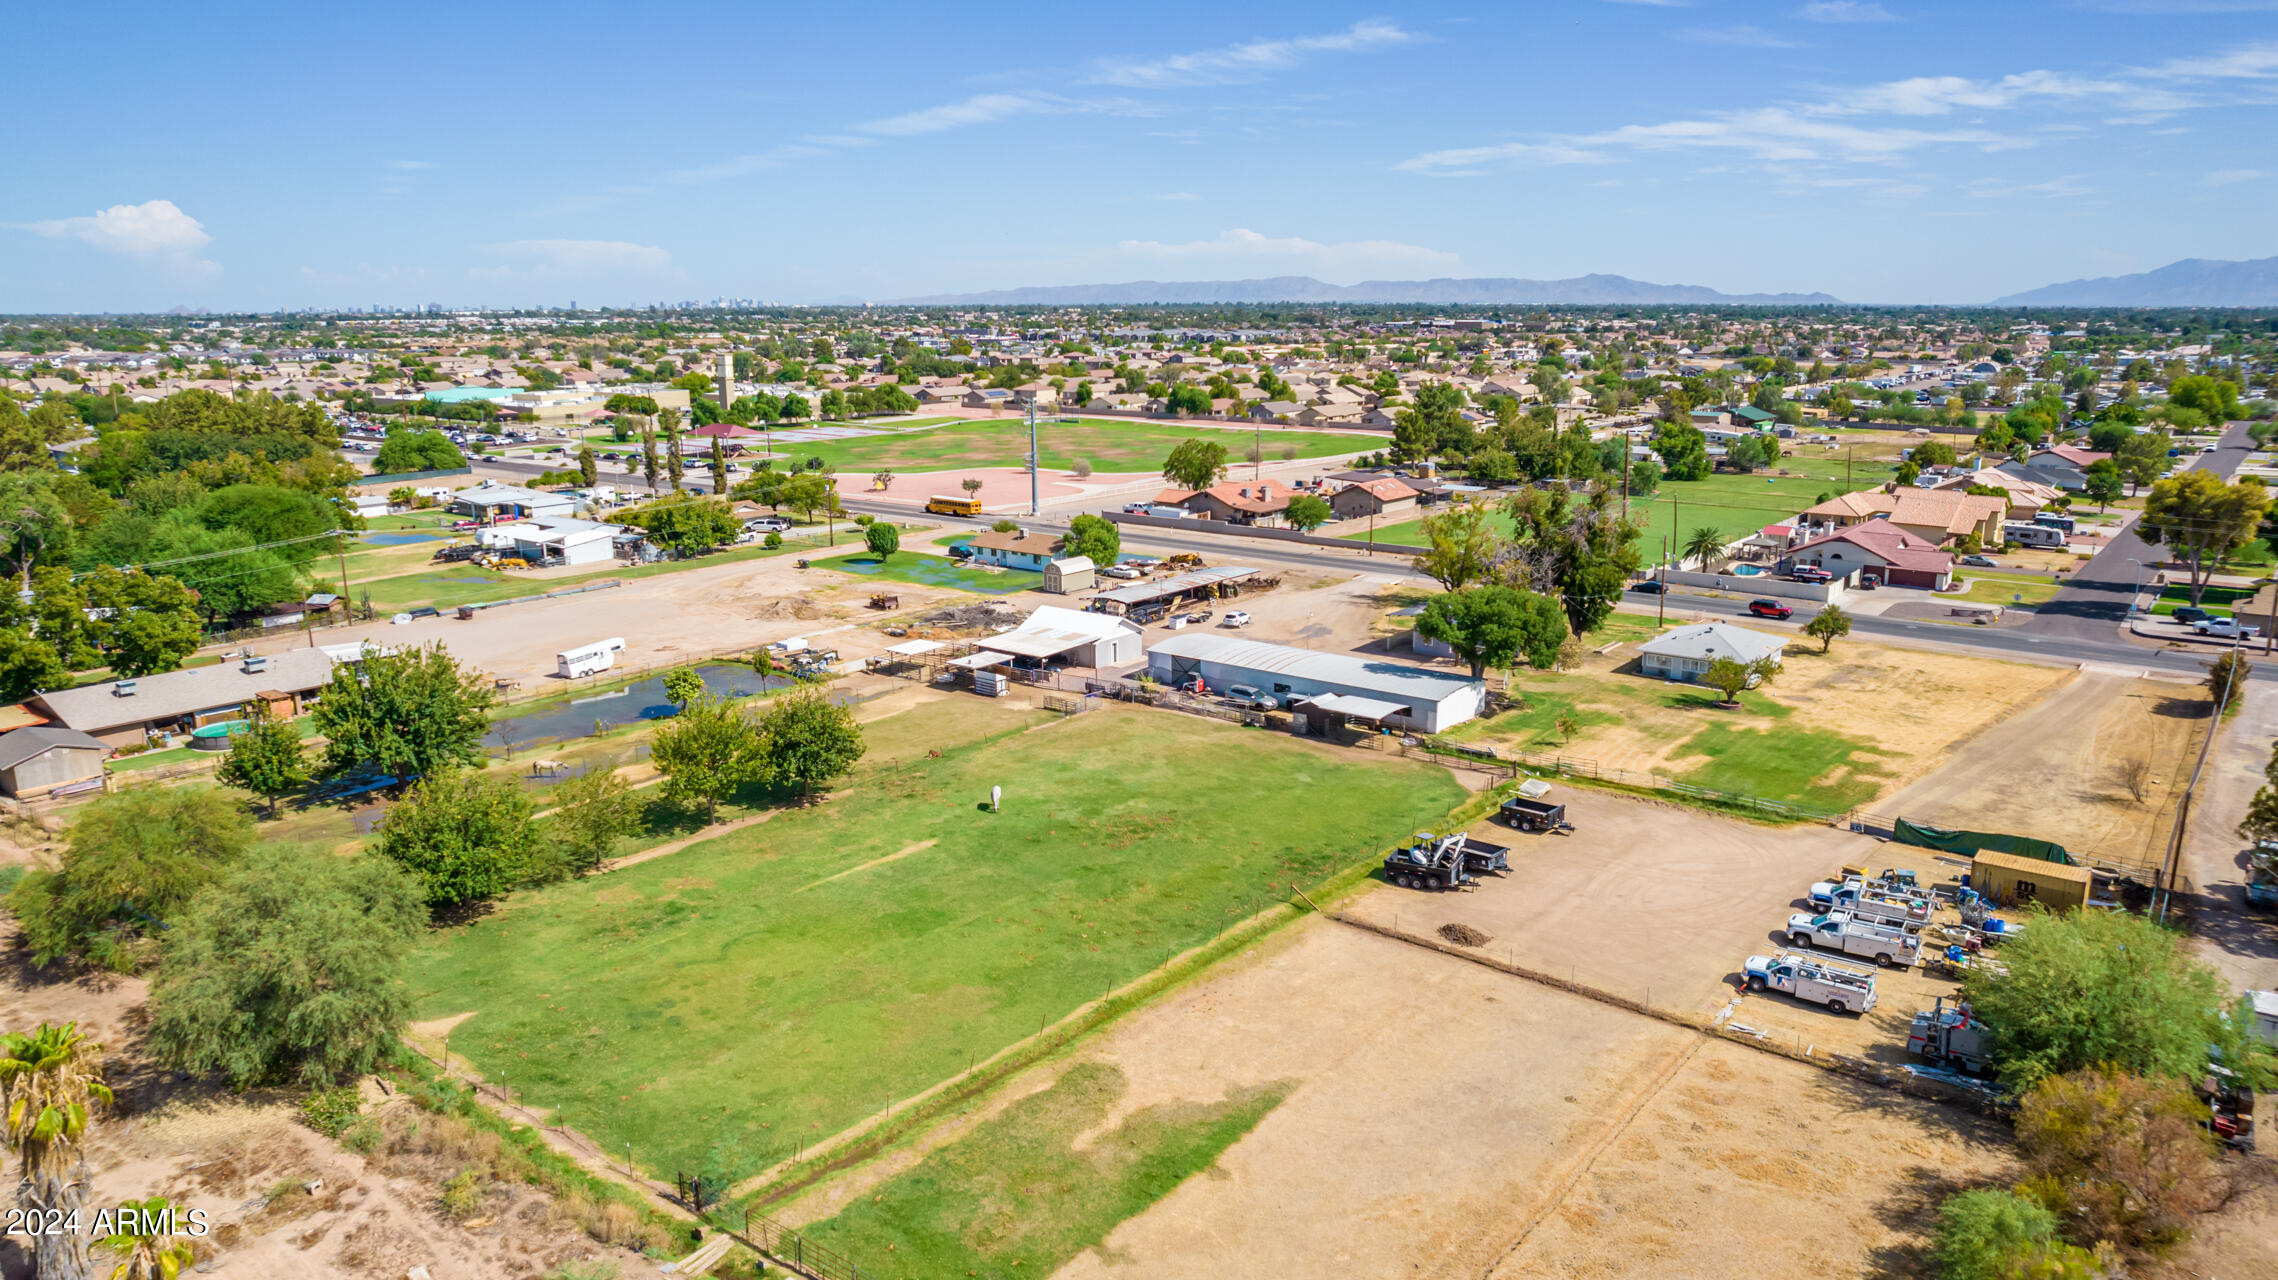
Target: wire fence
(765,1235)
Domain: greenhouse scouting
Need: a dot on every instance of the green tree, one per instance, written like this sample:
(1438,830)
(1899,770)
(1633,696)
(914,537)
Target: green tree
(1433,425)
(2201,520)
(1748,454)
(1195,464)
(289,969)
(1908,473)
(686,524)
(1096,538)
(1188,398)
(2103,482)
(2118,1157)
(1730,678)
(708,751)
(406,714)
(51,1082)
(1308,511)
(883,539)
(140,624)
(2215,398)
(593,812)
(1460,546)
(2142,457)
(133,859)
(1581,553)
(1496,626)
(466,836)
(1827,626)
(1703,544)
(809,739)
(1933,453)
(1683,449)
(408,451)
(2000,1235)
(144,1242)
(2107,989)
(588,468)
(267,759)
(682,685)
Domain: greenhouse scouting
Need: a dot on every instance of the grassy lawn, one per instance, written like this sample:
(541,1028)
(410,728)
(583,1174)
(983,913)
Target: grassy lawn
(1813,767)
(786,980)
(922,570)
(1106,445)
(2215,600)
(443,585)
(1018,1193)
(1736,505)
(1991,588)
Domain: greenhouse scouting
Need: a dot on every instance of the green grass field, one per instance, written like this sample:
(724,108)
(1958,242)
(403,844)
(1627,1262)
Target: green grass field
(1736,505)
(1993,588)
(920,569)
(1015,1197)
(782,982)
(1108,445)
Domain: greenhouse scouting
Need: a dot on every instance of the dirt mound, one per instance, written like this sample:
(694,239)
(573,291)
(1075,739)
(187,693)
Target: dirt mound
(1464,935)
(798,607)
(988,616)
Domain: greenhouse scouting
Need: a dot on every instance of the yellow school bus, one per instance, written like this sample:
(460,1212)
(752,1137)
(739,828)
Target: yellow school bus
(941,506)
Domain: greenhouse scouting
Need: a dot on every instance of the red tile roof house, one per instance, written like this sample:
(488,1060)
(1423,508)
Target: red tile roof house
(1234,501)
(1384,497)
(1879,551)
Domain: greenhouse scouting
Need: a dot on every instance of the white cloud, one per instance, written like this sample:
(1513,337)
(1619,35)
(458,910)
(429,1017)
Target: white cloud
(1766,133)
(1245,250)
(585,257)
(411,164)
(2232,177)
(1239,62)
(752,162)
(2247,62)
(1941,95)
(987,108)
(1739,35)
(154,228)
(1470,161)
(2049,189)
(1845,11)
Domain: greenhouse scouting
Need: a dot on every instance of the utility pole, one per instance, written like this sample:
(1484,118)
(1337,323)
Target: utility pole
(1625,478)
(1035,502)
(1661,597)
(2174,857)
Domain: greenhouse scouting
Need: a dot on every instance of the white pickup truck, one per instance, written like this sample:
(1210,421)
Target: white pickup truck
(1844,988)
(1839,932)
(2225,629)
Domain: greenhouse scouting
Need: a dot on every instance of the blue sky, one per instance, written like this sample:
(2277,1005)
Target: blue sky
(1881,150)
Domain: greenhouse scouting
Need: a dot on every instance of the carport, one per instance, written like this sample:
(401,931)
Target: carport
(1324,715)
(1141,600)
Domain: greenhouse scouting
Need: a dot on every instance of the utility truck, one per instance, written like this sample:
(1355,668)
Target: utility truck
(1950,1037)
(1885,944)
(1842,987)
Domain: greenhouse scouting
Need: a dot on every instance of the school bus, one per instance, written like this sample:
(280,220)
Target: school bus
(941,506)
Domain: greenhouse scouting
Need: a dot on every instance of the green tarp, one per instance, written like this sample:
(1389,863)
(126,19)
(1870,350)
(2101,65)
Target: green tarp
(1968,843)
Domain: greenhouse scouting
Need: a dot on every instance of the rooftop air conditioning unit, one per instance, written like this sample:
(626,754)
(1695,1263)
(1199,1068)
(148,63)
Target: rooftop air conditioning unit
(123,689)
(255,664)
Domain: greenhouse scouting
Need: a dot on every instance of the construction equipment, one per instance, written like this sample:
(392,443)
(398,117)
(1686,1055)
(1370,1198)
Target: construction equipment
(1884,944)
(882,600)
(1183,560)
(1843,988)
(1950,1037)
(1444,862)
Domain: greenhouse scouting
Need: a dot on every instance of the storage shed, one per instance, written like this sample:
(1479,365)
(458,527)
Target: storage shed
(44,759)
(2013,880)
(1393,693)
(1069,575)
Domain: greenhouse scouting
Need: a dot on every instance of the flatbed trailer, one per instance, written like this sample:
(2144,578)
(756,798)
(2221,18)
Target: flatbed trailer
(1536,815)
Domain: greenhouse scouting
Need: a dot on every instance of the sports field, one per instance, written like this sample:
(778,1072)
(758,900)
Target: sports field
(1106,444)
(787,979)
(1736,505)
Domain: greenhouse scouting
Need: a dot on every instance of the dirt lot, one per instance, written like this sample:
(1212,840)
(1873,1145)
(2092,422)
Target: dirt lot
(1749,1167)
(1647,900)
(229,1155)
(2062,768)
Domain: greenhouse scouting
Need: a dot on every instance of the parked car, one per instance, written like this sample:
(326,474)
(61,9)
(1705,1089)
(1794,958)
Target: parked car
(1810,573)
(1236,618)
(1249,695)
(2187,614)
(1142,562)
(1770,609)
(1117,571)
(1980,562)
(2225,629)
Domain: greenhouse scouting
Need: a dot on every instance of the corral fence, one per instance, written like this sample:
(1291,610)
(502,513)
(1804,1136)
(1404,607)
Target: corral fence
(764,1235)
(1513,763)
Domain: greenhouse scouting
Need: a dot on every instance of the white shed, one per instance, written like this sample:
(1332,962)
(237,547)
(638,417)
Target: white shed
(1069,575)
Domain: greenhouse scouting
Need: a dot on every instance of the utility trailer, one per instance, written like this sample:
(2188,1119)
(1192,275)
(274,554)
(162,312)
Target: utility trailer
(1536,815)
(1950,1037)
(1444,862)
(1842,987)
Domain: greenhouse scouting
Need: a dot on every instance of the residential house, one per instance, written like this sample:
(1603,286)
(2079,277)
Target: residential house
(1378,497)
(2063,465)
(1234,501)
(126,712)
(2027,498)
(1686,653)
(1940,517)
(1019,549)
(489,502)
(1275,410)
(1881,552)
(987,398)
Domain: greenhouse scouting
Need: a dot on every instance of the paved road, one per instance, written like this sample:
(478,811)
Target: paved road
(2094,605)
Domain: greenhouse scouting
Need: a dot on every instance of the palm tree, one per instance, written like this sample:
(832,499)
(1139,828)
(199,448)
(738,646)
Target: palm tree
(1703,545)
(147,1243)
(49,1083)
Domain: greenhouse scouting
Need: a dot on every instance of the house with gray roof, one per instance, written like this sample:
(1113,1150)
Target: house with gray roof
(42,759)
(125,713)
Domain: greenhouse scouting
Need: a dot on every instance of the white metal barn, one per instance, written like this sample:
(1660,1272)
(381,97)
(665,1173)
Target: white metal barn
(1078,638)
(1393,692)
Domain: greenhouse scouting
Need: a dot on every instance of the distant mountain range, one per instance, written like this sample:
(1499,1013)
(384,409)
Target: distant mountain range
(1590,290)
(2193,282)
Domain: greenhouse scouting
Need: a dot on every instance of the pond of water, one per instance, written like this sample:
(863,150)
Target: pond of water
(641,700)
